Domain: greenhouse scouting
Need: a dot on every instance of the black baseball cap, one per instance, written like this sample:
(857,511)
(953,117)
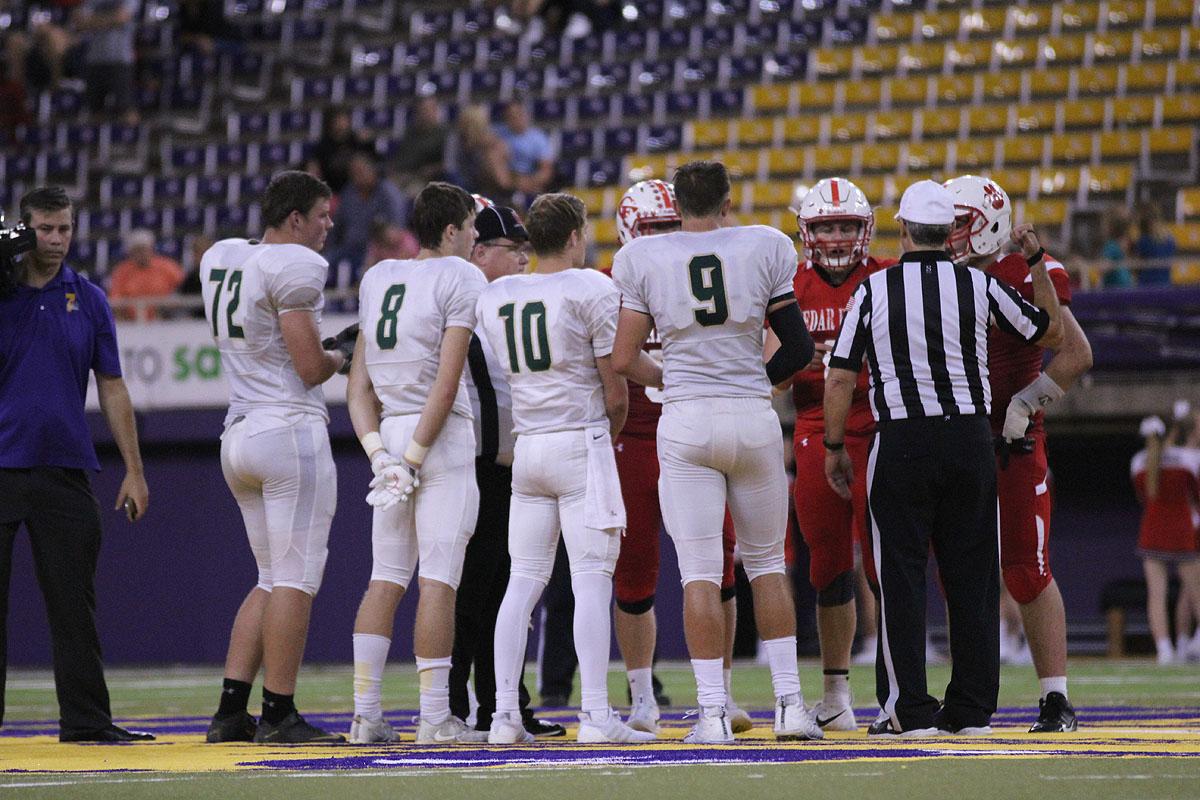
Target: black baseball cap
(499,222)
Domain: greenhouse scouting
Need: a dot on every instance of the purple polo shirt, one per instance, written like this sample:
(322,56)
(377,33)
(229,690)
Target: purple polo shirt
(49,339)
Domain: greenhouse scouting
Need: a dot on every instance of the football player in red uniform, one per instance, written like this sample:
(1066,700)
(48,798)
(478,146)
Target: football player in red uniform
(1020,390)
(648,207)
(835,223)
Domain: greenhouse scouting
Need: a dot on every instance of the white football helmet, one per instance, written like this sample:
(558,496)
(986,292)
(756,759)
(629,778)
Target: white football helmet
(835,199)
(983,217)
(647,207)
(799,192)
(481,202)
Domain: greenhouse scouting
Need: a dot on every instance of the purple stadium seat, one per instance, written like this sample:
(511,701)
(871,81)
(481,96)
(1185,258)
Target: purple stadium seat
(745,69)
(275,156)
(231,157)
(682,103)
(418,55)
(212,188)
(790,63)
(716,39)
(372,58)
(232,220)
(576,143)
(485,81)
(169,190)
(620,141)
(568,79)
(400,88)
(38,137)
(629,42)
(357,89)
(603,171)
(656,73)
(804,33)
(461,53)
(378,120)
(549,109)
(297,122)
(501,50)
(530,79)
(170,246)
(65,103)
(664,138)
(430,24)
(445,83)
(311,90)
(545,50)
(149,218)
(188,218)
(722,102)
(589,47)
(121,189)
(639,106)
(248,126)
(251,187)
(700,71)
(22,166)
(849,30)
(82,135)
(673,41)
(761,36)
(82,255)
(474,21)
(611,76)
(594,108)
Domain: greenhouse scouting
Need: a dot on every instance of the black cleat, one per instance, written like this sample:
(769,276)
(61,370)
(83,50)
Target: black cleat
(110,735)
(542,729)
(237,727)
(883,727)
(294,730)
(1055,715)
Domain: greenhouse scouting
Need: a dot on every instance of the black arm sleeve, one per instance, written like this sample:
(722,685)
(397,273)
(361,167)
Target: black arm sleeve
(797,349)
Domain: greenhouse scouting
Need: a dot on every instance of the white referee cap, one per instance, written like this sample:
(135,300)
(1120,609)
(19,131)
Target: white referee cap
(927,203)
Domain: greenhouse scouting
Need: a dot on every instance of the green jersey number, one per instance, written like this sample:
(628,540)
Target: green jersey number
(385,331)
(535,342)
(229,282)
(708,286)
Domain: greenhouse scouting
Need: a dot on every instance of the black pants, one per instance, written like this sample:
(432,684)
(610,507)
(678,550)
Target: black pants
(62,517)
(484,579)
(933,481)
(558,660)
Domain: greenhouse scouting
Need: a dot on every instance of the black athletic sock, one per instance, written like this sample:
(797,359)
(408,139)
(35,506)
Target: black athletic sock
(276,707)
(235,696)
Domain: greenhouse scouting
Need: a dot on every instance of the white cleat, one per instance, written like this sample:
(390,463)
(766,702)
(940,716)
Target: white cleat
(644,717)
(739,720)
(473,736)
(449,731)
(835,716)
(371,731)
(793,721)
(507,728)
(712,728)
(597,727)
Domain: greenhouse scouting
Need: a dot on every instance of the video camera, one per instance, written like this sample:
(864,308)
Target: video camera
(13,242)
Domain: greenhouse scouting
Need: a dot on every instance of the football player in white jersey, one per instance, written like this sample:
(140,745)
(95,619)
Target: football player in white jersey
(416,318)
(708,289)
(263,300)
(552,332)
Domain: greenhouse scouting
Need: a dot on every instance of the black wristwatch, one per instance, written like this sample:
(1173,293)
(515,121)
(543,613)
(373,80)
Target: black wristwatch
(1036,257)
(834,446)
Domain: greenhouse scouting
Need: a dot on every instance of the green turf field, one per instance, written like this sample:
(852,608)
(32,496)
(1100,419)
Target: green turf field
(1143,742)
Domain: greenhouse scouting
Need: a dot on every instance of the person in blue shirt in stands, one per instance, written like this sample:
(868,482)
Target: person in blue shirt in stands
(531,155)
(55,327)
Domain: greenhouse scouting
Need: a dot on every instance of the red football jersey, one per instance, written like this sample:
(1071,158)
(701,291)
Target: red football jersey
(1169,520)
(1012,363)
(642,420)
(823,307)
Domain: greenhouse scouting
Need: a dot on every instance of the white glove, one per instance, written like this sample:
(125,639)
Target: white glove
(1152,426)
(381,461)
(1037,395)
(394,484)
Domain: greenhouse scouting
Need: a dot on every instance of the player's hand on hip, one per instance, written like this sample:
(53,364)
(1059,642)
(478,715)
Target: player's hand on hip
(1016,419)
(394,484)
(839,472)
(133,496)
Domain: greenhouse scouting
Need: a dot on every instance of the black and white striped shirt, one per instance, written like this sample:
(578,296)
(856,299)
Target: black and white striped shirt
(922,326)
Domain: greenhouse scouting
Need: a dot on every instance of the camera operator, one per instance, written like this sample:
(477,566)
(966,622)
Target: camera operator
(55,326)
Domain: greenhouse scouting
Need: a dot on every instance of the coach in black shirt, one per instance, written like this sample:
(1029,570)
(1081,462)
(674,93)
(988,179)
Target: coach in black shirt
(931,474)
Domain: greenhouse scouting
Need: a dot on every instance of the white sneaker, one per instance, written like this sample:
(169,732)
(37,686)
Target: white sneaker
(606,726)
(835,715)
(507,728)
(712,728)
(644,717)
(793,721)
(1166,655)
(446,732)
(473,736)
(369,731)
(739,720)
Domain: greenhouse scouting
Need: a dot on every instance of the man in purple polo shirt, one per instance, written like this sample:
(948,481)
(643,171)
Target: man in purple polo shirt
(55,328)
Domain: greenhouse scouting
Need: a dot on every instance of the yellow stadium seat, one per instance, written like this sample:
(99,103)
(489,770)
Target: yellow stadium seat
(1185,271)
(1149,76)
(1120,145)
(893,27)
(849,127)
(1051,211)
(1112,46)
(1071,148)
(910,91)
(832,62)
(984,23)
(604,230)
(866,92)
(880,59)
(1133,111)
(772,219)
(1167,12)
(604,257)
(710,133)
(944,122)
(772,97)
(886,222)
(598,200)
(833,158)
(1179,139)
(1065,49)
(880,157)
(1110,178)
(770,194)
(1079,16)
(1187,203)
(784,161)
(891,124)
(1193,50)
(1100,80)
(1159,43)
(1054,82)
(1030,20)
(750,132)
(1181,108)
(1125,13)
(1016,53)
(872,186)
(1036,117)
(1187,236)
(802,130)
(986,120)
(1086,113)
(644,166)
(940,24)
(1187,73)
(885,245)
(975,155)
(972,55)
(1022,150)
(815,96)
(923,56)
(926,155)
(953,90)
(1062,182)
(740,163)
(1002,85)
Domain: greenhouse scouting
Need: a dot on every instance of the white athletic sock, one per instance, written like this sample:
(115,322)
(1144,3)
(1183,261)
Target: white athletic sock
(728,675)
(370,657)
(1166,652)
(837,687)
(433,676)
(1057,683)
(641,685)
(512,632)
(593,628)
(869,645)
(781,656)
(710,688)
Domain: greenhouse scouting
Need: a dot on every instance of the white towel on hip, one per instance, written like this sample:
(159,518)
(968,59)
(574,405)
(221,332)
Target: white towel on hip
(603,508)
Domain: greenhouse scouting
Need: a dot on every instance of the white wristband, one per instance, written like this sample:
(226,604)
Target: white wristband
(1041,393)
(371,443)
(415,453)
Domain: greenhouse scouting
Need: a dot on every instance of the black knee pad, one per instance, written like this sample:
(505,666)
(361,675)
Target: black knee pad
(728,594)
(839,591)
(636,607)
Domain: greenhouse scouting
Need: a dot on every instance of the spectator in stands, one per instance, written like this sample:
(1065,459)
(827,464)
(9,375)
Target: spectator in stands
(338,144)
(1154,246)
(202,24)
(367,199)
(1118,246)
(109,27)
(143,273)
(530,154)
(421,156)
(478,157)
(389,240)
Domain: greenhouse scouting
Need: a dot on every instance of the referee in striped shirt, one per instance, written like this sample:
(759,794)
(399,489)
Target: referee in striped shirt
(931,474)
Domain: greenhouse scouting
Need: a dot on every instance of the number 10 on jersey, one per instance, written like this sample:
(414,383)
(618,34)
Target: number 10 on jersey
(535,341)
